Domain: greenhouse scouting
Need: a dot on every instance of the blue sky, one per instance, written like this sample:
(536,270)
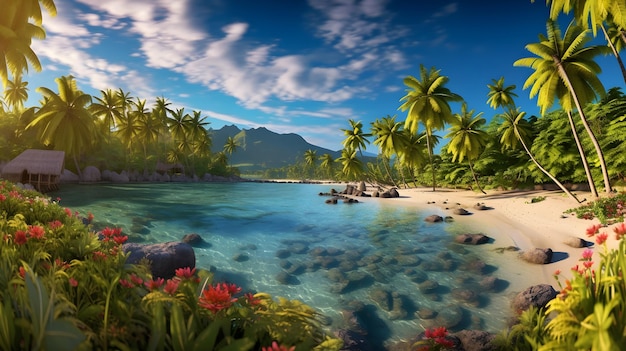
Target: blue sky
(292,66)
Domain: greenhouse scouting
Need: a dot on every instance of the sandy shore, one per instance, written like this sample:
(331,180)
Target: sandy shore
(513,220)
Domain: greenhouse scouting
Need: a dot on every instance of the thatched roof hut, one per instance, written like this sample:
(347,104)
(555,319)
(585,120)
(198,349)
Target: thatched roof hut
(40,168)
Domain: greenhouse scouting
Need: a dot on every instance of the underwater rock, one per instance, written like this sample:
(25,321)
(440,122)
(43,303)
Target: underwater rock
(476,340)
(283,253)
(416,276)
(406,260)
(353,281)
(335,275)
(382,298)
(164,258)
(433,219)
(449,316)
(426,313)
(428,286)
(296,268)
(466,295)
(286,278)
(537,256)
(240,257)
(472,239)
(397,311)
(298,248)
(194,240)
(536,295)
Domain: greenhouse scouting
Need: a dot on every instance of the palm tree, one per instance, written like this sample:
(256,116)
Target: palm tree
(355,137)
(231,145)
(565,69)
(428,102)
(310,158)
(594,12)
(64,120)
(467,139)
(108,109)
(20,22)
(327,164)
(16,93)
(352,165)
(413,154)
(500,95)
(389,139)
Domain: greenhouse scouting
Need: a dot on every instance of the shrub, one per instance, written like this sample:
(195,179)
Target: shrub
(610,209)
(65,287)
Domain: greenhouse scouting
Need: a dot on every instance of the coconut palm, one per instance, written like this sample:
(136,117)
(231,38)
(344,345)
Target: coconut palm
(413,154)
(355,137)
(16,93)
(565,70)
(231,145)
(428,102)
(389,139)
(20,22)
(500,95)
(593,12)
(108,109)
(326,164)
(310,159)
(467,139)
(352,165)
(64,121)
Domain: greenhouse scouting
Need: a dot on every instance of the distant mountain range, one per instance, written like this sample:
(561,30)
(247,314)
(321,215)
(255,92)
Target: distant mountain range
(260,148)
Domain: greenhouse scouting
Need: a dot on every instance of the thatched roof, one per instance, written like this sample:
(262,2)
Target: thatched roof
(36,162)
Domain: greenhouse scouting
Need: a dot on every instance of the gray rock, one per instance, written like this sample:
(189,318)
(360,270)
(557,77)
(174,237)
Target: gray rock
(433,219)
(472,239)
(194,240)
(575,242)
(476,340)
(537,256)
(536,295)
(164,258)
(461,212)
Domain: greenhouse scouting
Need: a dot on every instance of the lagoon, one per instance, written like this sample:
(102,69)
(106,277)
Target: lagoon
(401,273)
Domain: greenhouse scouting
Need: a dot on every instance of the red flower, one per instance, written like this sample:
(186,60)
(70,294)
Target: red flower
(22,272)
(110,232)
(2,197)
(588,264)
(440,332)
(154,284)
(120,239)
(36,231)
(171,286)
(136,279)
(55,224)
(276,347)
(68,212)
(218,297)
(125,283)
(253,301)
(587,255)
(90,217)
(620,230)
(99,255)
(593,230)
(601,238)
(73,282)
(185,273)
(557,272)
(20,237)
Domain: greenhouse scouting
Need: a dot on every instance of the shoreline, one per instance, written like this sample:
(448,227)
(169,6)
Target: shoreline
(512,220)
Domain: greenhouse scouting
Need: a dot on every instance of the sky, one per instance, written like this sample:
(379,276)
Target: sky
(292,66)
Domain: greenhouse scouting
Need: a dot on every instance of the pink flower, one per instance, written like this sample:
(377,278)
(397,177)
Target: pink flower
(557,272)
(73,282)
(620,230)
(2,197)
(588,264)
(601,238)
(125,283)
(68,212)
(587,254)
(120,239)
(276,347)
(55,224)
(136,279)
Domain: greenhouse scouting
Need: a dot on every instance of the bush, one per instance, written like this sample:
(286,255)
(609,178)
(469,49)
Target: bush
(64,287)
(610,209)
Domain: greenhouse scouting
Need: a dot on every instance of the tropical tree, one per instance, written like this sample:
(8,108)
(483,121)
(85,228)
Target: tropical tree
(565,70)
(355,137)
(20,22)
(352,165)
(467,139)
(310,159)
(592,12)
(326,164)
(389,139)
(64,121)
(428,102)
(413,154)
(108,108)
(16,93)
(500,95)
(231,145)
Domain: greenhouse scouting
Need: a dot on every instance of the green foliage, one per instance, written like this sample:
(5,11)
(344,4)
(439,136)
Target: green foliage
(606,210)
(588,314)
(65,287)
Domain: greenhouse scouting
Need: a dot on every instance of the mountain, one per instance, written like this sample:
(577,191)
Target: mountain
(260,148)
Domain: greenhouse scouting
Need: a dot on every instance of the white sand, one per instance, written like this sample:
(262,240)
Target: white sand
(514,221)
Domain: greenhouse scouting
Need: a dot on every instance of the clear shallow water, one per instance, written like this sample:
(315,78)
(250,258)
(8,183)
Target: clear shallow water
(338,257)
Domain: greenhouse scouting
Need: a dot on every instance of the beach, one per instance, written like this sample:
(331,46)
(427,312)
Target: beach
(513,220)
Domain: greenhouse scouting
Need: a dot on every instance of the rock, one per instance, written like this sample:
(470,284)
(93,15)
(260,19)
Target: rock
(68,177)
(476,340)
(286,278)
(362,186)
(461,212)
(119,178)
(393,192)
(536,295)
(433,219)
(428,286)
(194,240)
(481,207)
(576,242)
(537,256)
(466,295)
(472,239)
(91,174)
(426,313)
(164,258)
(283,253)
(240,257)
(450,316)
(382,298)
(353,341)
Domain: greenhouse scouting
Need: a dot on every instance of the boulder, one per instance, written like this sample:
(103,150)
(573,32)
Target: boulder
(537,256)
(164,258)
(194,240)
(433,219)
(536,295)
(476,340)
(472,239)
(461,212)
(119,178)
(575,242)
(68,177)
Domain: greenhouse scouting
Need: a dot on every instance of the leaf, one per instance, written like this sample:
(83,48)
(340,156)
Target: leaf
(178,330)
(158,329)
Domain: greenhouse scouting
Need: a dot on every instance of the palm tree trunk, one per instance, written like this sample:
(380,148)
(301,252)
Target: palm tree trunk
(475,178)
(581,114)
(615,52)
(430,158)
(556,181)
(387,169)
(592,185)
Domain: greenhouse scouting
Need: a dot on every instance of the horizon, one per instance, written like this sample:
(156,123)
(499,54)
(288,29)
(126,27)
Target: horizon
(319,65)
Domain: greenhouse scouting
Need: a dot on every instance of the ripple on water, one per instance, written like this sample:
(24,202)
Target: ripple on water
(338,256)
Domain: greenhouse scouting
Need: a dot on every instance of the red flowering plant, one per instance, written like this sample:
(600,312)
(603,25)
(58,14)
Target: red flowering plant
(57,274)
(588,313)
(434,339)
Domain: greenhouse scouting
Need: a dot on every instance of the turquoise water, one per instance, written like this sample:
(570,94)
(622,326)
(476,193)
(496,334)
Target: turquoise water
(339,257)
